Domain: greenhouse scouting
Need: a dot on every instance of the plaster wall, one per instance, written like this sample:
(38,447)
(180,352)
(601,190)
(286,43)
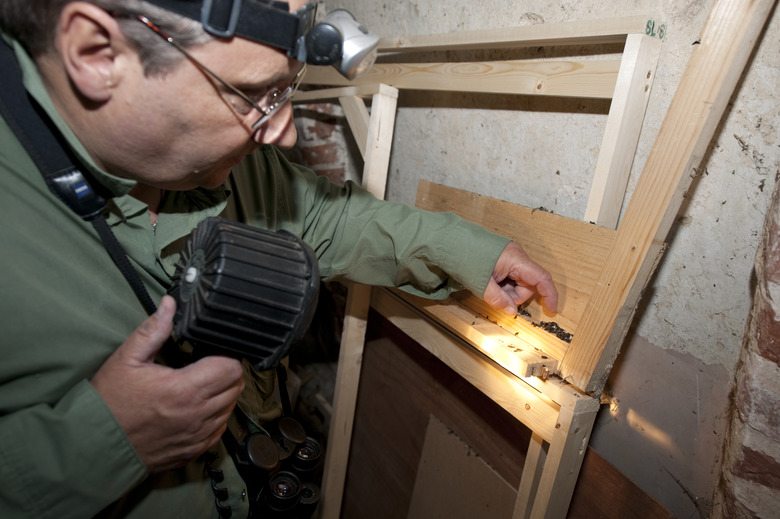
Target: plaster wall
(672,381)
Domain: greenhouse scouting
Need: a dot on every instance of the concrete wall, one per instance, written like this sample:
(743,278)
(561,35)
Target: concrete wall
(671,385)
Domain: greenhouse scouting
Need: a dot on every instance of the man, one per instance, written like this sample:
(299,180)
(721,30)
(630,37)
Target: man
(90,424)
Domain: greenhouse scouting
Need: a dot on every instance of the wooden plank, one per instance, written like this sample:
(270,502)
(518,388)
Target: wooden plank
(533,409)
(377,159)
(621,135)
(380,140)
(573,251)
(518,353)
(715,66)
(569,78)
(563,460)
(580,32)
(535,459)
(323,94)
(358,119)
(344,400)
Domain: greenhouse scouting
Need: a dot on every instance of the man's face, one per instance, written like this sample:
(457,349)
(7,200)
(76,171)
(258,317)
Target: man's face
(182,130)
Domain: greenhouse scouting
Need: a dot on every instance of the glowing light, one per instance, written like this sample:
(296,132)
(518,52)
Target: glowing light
(646,428)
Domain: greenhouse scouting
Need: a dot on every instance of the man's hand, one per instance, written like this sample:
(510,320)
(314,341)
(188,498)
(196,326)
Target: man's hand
(516,278)
(170,415)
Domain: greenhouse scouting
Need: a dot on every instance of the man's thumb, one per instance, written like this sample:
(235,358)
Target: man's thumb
(498,298)
(144,343)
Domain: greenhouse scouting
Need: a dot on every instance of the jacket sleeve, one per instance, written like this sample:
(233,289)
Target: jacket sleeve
(360,238)
(48,456)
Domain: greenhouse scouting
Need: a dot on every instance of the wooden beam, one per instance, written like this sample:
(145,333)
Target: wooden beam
(562,461)
(581,32)
(377,159)
(324,94)
(621,135)
(572,250)
(358,119)
(569,78)
(715,66)
(344,400)
(522,355)
(380,140)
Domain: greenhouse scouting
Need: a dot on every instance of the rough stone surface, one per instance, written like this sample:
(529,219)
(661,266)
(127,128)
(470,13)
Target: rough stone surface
(750,481)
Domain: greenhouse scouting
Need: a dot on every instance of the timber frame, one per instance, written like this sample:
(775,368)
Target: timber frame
(550,385)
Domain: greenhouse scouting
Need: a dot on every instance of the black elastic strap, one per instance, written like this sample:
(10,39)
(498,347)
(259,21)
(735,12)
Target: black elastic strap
(121,260)
(281,375)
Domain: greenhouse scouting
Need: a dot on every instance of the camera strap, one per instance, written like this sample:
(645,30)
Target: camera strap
(58,165)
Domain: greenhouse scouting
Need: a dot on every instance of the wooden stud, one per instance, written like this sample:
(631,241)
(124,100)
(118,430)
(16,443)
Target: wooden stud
(583,32)
(358,119)
(563,460)
(520,354)
(624,124)
(568,78)
(535,458)
(377,158)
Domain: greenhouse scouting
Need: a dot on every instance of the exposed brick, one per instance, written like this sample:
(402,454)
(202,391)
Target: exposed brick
(323,108)
(320,130)
(758,467)
(768,334)
(335,175)
(323,154)
(742,401)
(732,508)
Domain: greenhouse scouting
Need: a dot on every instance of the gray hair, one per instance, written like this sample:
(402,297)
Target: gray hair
(34,22)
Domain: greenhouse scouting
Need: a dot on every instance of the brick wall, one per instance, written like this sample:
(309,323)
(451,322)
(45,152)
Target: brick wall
(750,482)
(321,141)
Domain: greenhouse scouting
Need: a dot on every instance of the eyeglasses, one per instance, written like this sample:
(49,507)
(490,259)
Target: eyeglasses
(273,100)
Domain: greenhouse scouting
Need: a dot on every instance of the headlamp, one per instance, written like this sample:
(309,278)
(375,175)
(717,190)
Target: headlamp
(339,40)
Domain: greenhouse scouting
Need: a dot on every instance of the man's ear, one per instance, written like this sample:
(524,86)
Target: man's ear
(90,44)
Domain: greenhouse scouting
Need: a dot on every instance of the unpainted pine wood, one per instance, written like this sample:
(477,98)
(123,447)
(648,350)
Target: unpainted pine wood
(536,411)
(715,66)
(568,78)
(573,251)
(358,119)
(621,134)
(380,140)
(377,159)
(581,32)
(322,94)
(562,461)
(520,354)
(344,400)
(535,458)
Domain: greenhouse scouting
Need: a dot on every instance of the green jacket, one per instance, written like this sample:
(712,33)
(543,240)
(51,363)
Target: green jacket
(65,307)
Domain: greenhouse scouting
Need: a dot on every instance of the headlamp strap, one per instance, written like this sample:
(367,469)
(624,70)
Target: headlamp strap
(264,21)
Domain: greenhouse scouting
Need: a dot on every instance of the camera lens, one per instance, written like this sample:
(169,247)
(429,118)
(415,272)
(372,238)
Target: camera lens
(284,491)
(310,494)
(283,488)
(307,457)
